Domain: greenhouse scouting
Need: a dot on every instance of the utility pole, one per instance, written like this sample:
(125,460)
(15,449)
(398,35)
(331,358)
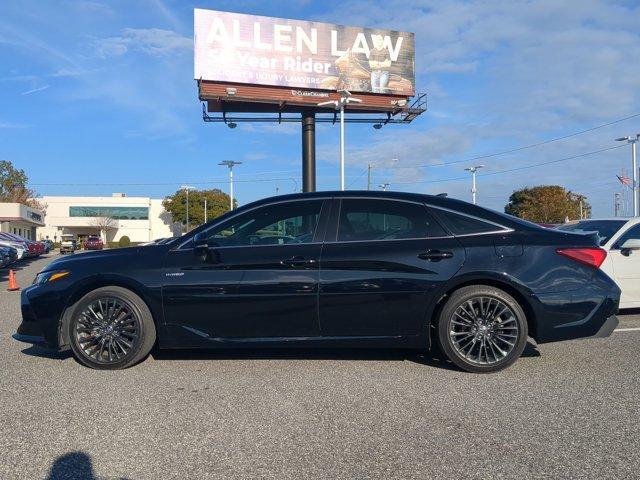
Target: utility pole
(473,171)
(634,167)
(369,168)
(230,164)
(205,209)
(186,188)
(581,215)
(345,99)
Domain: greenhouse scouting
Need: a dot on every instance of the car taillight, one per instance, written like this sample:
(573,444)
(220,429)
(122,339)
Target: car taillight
(589,256)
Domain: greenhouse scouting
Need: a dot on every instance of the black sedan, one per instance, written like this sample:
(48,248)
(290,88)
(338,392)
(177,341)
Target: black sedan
(332,269)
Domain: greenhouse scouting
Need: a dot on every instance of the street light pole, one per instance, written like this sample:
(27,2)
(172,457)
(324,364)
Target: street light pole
(634,166)
(186,188)
(230,164)
(384,186)
(345,99)
(473,171)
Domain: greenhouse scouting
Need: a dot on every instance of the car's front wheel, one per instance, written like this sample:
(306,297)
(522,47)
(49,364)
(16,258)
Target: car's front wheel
(482,329)
(111,328)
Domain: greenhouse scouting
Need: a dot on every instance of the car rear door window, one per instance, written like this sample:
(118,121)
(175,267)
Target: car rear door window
(373,219)
(463,225)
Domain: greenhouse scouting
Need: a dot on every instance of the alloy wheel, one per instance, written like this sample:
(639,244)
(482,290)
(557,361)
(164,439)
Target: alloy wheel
(483,330)
(107,330)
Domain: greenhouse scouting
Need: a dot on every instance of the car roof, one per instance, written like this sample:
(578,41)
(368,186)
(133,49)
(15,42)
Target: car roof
(434,200)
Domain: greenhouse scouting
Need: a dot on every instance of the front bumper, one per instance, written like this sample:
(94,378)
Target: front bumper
(29,329)
(40,319)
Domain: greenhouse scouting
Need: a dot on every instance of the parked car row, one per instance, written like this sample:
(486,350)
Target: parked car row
(15,247)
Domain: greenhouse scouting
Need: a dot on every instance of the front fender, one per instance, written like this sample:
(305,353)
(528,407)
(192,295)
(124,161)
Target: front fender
(150,295)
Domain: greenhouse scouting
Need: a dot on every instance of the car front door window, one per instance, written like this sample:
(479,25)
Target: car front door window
(290,223)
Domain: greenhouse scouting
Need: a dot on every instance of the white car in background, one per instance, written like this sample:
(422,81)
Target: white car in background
(18,246)
(620,237)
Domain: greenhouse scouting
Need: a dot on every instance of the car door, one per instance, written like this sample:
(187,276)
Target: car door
(381,266)
(258,280)
(626,268)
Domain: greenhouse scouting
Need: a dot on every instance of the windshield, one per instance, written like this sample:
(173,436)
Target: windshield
(604,228)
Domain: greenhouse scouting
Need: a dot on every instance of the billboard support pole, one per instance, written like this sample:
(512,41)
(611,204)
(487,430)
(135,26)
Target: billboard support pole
(342,145)
(308,152)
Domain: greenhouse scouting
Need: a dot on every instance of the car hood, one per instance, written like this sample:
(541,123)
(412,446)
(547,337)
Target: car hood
(90,256)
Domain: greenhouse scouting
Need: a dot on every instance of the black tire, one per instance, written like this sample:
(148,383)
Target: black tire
(121,319)
(477,328)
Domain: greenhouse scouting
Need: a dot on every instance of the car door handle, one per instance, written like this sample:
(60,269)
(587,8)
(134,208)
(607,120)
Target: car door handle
(434,255)
(298,261)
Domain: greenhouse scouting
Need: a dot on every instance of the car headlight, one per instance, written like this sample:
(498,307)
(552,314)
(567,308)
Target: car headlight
(52,276)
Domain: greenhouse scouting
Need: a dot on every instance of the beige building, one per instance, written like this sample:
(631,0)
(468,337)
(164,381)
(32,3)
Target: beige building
(142,219)
(20,219)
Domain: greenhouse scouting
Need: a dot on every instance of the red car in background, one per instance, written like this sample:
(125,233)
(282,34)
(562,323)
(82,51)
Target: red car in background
(93,243)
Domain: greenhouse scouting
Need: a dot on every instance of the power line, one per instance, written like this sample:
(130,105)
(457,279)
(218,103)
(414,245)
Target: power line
(508,170)
(156,184)
(525,147)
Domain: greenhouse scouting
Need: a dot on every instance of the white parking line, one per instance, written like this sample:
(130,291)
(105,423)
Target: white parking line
(634,329)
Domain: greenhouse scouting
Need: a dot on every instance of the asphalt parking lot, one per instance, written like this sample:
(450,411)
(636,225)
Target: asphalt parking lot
(565,410)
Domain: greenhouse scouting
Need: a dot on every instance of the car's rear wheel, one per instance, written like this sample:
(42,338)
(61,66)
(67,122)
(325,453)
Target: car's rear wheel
(482,329)
(111,328)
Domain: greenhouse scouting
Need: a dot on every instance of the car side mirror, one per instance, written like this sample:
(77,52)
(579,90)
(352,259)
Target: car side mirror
(205,249)
(632,244)
(200,245)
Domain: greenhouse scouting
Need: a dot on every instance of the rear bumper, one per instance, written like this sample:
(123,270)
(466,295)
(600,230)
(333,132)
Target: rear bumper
(586,313)
(607,327)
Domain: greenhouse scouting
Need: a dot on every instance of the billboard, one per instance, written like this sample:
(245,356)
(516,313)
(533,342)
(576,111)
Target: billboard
(233,47)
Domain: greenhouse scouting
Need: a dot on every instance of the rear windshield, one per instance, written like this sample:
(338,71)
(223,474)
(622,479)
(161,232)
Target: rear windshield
(604,228)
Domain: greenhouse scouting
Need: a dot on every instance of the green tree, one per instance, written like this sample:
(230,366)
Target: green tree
(124,241)
(176,205)
(13,186)
(547,204)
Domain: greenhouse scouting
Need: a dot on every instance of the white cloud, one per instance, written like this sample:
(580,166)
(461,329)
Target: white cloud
(35,90)
(151,41)
(12,125)
(285,128)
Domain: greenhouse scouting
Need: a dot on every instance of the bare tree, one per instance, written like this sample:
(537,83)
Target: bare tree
(104,223)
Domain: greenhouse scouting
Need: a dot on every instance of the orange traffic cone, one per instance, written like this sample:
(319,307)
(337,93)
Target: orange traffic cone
(13,284)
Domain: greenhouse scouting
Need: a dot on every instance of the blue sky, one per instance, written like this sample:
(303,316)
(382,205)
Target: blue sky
(99,96)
